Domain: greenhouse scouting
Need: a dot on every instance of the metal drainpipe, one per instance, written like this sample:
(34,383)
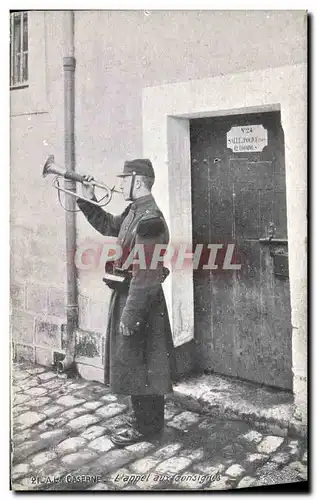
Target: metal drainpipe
(69,64)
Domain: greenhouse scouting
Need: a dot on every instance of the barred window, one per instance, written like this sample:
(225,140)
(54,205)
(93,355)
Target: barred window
(18,48)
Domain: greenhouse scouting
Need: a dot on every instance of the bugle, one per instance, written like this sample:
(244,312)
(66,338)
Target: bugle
(50,167)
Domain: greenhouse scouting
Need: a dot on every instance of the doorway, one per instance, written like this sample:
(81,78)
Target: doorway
(242,318)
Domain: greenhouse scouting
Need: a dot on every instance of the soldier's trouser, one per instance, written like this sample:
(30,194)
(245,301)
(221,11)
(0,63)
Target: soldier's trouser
(149,413)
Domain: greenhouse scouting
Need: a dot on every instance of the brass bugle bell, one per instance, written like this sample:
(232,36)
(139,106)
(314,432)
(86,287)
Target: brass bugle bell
(50,167)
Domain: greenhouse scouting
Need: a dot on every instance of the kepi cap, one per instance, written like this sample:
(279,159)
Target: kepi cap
(141,166)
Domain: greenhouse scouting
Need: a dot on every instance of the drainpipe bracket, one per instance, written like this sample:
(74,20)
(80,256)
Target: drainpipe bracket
(69,63)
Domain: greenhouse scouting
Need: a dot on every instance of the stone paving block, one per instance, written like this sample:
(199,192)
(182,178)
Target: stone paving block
(113,460)
(58,393)
(88,396)
(82,422)
(266,470)
(36,391)
(29,419)
(23,450)
(184,420)
(247,482)
(42,458)
(20,375)
(109,398)
(171,411)
(24,484)
(207,425)
(28,383)
(92,405)
(93,432)
(52,423)
(52,410)
(20,437)
(70,445)
(120,478)
(110,410)
(293,448)
(15,411)
(53,384)
(78,385)
(231,450)
(168,451)
(47,376)
(73,413)
(35,370)
(130,488)
(194,455)
(144,465)
(99,487)
(256,458)
(139,449)
(39,402)
(224,483)
(15,389)
(173,465)
(19,470)
(18,410)
(20,398)
(69,401)
(252,437)
(235,471)
(75,460)
(280,458)
(270,444)
(299,468)
(188,402)
(239,449)
(114,423)
(100,389)
(52,469)
(151,482)
(101,444)
(53,437)
(276,430)
(211,468)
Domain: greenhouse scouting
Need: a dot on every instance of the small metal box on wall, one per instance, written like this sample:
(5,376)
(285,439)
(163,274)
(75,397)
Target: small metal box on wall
(280,263)
(278,252)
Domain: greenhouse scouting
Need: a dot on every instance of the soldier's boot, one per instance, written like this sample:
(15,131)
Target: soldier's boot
(126,437)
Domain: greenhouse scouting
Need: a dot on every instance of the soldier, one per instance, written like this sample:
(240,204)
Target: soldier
(139,358)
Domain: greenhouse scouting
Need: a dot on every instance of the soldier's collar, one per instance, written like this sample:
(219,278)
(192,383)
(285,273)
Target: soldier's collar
(142,202)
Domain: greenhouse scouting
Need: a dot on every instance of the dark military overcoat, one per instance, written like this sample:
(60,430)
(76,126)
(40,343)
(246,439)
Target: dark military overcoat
(144,363)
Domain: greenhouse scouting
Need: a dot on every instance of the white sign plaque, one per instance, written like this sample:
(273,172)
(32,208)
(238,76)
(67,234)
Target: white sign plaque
(248,138)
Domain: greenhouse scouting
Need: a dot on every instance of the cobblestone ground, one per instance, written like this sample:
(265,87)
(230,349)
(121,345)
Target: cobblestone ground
(60,441)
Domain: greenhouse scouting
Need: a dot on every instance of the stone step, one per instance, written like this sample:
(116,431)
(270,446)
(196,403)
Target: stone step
(268,409)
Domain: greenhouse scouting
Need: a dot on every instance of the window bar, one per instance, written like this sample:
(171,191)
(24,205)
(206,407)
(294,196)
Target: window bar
(11,50)
(25,47)
(21,47)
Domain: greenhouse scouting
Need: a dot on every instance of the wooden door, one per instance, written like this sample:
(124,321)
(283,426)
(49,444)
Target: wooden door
(242,318)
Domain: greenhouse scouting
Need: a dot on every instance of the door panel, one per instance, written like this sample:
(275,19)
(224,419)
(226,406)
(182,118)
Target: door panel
(242,318)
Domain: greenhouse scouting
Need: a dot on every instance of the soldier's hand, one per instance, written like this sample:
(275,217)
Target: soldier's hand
(88,190)
(124,330)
